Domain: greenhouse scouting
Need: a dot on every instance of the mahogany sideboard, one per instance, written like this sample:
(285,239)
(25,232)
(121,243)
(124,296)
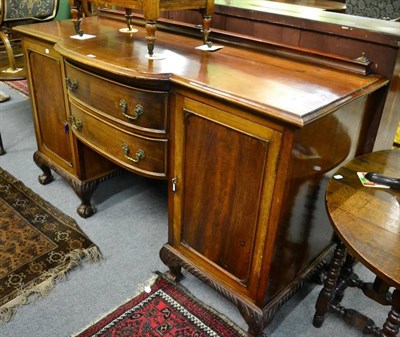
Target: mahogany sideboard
(247,138)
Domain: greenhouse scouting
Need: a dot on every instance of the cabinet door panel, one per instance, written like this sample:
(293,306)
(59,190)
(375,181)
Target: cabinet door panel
(225,174)
(49,104)
(226,166)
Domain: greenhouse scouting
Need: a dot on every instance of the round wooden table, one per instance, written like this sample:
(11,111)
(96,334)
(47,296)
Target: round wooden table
(366,221)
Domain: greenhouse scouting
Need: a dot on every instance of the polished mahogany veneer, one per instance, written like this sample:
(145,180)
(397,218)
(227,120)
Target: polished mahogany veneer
(317,28)
(247,137)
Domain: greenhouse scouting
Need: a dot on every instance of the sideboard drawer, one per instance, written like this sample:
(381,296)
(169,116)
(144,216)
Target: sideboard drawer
(136,153)
(141,109)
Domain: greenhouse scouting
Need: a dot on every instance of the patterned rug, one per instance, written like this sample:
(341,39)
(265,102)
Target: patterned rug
(38,245)
(21,86)
(164,309)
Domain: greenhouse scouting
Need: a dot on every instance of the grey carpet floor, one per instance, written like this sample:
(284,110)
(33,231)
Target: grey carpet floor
(130,227)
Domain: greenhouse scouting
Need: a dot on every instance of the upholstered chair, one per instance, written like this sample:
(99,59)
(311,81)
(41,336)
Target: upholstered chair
(382,9)
(18,12)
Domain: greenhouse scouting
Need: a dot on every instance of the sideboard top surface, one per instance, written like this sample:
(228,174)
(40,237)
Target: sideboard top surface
(292,91)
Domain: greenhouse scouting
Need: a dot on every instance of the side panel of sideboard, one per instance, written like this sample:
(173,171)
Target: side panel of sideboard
(246,202)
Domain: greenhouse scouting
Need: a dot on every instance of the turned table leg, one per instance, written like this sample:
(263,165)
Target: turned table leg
(128,18)
(392,324)
(205,27)
(76,15)
(327,293)
(151,27)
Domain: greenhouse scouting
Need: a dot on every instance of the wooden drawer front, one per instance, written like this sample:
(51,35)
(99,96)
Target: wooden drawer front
(143,155)
(138,108)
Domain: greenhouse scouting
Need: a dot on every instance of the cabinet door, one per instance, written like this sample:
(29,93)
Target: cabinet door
(225,168)
(45,67)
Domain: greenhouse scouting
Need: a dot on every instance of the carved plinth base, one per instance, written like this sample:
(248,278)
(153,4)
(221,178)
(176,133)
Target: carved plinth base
(256,318)
(83,189)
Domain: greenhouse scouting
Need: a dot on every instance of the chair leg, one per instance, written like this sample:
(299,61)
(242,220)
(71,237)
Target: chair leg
(12,67)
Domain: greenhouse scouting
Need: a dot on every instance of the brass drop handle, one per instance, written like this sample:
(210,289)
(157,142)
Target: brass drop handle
(138,156)
(76,124)
(71,84)
(137,111)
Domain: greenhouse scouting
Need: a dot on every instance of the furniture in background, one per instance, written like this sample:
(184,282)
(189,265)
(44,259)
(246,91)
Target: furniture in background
(64,10)
(326,5)
(323,31)
(384,9)
(17,12)
(367,223)
(151,11)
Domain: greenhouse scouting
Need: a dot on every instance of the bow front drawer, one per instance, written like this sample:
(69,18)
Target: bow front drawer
(136,153)
(143,110)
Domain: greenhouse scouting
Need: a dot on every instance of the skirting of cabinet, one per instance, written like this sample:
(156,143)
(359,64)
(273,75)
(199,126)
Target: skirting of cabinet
(257,318)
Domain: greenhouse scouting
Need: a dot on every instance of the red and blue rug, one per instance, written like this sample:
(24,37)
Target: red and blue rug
(165,309)
(20,85)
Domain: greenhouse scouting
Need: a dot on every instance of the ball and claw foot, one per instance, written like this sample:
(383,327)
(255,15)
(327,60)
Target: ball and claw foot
(86,210)
(45,179)
(175,273)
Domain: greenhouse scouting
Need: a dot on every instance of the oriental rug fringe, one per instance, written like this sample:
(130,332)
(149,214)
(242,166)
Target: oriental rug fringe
(38,246)
(163,309)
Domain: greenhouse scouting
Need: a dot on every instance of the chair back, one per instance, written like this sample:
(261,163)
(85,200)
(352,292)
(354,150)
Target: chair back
(27,10)
(382,9)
